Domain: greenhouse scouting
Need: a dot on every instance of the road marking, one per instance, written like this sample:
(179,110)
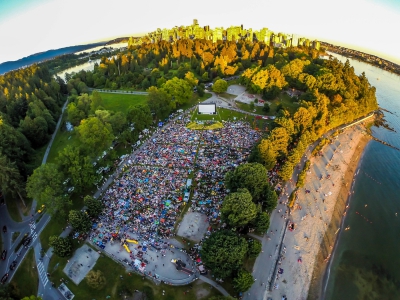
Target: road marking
(34,237)
(42,273)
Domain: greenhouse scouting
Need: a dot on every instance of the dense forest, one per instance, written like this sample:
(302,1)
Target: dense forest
(30,105)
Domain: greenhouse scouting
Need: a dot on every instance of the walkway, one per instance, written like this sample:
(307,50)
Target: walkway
(214,284)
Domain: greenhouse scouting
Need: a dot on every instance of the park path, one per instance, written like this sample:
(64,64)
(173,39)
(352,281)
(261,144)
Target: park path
(214,284)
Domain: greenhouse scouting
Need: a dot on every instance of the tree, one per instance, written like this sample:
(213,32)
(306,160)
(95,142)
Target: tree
(238,209)
(95,101)
(46,186)
(243,281)
(76,166)
(179,90)
(302,119)
(252,176)
(270,198)
(10,179)
(75,115)
(96,280)
(79,221)
(266,108)
(191,79)
(159,102)
(62,246)
(139,116)
(255,247)
(220,86)
(95,135)
(223,252)
(261,222)
(94,206)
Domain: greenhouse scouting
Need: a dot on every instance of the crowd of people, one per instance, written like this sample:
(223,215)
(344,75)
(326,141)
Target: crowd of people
(143,203)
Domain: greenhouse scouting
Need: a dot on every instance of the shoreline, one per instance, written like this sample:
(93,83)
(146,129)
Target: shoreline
(317,215)
(321,266)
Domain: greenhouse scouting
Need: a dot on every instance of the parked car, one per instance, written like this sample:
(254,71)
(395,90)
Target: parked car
(4,228)
(4,278)
(4,255)
(13,265)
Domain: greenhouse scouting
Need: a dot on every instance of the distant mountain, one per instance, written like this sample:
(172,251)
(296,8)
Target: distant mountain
(38,57)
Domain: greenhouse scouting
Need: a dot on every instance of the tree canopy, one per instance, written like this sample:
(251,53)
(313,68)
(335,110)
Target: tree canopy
(238,209)
(252,176)
(46,186)
(223,252)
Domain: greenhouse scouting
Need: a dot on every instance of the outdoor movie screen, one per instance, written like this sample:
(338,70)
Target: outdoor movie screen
(210,109)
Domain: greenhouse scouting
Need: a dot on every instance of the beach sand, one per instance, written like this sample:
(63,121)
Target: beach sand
(317,216)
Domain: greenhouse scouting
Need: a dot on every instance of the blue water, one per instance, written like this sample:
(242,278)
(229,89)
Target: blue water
(366,262)
(38,57)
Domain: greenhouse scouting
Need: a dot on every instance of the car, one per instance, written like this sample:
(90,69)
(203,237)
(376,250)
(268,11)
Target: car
(4,255)
(13,265)
(27,241)
(41,209)
(4,278)
(4,228)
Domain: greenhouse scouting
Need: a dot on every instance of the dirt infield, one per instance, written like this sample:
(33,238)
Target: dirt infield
(194,226)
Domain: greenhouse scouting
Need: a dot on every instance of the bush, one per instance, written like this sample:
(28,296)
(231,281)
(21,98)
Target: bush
(243,281)
(292,198)
(254,248)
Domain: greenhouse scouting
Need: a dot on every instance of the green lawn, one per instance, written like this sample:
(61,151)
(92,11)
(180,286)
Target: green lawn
(126,286)
(26,278)
(259,109)
(121,102)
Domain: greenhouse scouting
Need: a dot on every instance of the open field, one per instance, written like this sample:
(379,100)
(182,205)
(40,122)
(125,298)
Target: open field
(121,102)
(26,277)
(126,285)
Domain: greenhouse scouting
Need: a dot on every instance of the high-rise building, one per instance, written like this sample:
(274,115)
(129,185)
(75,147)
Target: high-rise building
(217,34)
(295,40)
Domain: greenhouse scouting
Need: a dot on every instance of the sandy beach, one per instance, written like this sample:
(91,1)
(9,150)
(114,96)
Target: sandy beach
(317,215)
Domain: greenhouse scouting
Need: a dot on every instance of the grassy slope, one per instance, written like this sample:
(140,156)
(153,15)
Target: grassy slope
(26,278)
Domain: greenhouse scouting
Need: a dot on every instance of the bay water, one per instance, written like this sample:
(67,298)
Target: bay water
(366,260)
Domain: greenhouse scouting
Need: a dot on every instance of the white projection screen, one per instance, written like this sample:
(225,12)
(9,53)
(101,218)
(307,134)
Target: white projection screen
(210,109)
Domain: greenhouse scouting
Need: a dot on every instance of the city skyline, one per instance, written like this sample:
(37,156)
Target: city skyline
(50,24)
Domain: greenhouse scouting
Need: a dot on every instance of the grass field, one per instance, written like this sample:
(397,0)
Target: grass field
(121,102)
(116,287)
(26,278)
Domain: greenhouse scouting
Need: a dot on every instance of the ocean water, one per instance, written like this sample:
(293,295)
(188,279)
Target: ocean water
(38,57)
(365,264)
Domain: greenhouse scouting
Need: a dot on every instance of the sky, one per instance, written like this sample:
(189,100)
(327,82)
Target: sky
(32,26)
